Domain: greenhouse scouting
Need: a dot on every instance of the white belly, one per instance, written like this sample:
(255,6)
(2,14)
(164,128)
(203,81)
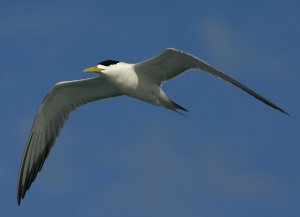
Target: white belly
(129,83)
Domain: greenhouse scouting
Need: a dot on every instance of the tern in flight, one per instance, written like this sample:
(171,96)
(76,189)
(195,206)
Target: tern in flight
(142,81)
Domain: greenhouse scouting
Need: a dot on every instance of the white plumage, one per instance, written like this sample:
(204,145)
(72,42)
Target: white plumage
(142,81)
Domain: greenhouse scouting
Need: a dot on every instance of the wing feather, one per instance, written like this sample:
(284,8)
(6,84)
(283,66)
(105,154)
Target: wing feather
(63,98)
(171,63)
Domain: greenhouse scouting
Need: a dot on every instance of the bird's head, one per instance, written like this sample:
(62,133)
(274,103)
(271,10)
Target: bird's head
(103,65)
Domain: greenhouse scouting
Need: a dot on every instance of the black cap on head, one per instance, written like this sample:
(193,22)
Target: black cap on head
(108,62)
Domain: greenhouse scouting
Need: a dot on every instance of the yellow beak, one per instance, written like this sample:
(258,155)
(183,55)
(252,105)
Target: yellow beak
(94,69)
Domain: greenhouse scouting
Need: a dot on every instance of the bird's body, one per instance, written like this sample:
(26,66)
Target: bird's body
(129,82)
(142,81)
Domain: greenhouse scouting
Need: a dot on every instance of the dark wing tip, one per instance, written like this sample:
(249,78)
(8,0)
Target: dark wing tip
(284,112)
(19,199)
(31,174)
(269,103)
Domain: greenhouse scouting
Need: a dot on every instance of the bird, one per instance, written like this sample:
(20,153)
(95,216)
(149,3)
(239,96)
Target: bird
(142,81)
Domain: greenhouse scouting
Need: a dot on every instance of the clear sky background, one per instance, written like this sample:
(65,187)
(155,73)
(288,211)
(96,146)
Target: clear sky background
(231,156)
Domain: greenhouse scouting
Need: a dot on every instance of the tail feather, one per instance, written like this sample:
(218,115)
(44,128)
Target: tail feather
(177,106)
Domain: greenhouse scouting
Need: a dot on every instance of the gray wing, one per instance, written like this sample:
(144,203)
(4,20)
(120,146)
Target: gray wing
(171,63)
(54,110)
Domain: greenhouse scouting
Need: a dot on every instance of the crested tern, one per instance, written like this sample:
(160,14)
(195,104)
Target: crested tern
(142,81)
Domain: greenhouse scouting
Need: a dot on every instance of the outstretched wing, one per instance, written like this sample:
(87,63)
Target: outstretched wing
(171,63)
(54,110)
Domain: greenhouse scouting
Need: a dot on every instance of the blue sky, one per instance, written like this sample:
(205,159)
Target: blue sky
(231,156)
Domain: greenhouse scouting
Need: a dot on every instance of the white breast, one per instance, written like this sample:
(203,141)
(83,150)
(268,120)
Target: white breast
(123,76)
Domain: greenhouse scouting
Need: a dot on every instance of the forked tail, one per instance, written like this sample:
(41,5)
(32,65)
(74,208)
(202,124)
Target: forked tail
(175,107)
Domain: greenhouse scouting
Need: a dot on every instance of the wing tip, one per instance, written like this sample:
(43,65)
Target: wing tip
(21,190)
(19,200)
(20,193)
(273,105)
(284,112)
